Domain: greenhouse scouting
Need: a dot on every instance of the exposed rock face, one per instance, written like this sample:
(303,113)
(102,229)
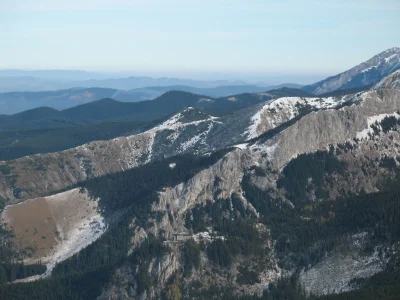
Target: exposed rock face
(318,130)
(390,82)
(125,283)
(335,273)
(366,73)
(203,187)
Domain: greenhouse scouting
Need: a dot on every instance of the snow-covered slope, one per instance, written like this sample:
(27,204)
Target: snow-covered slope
(365,74)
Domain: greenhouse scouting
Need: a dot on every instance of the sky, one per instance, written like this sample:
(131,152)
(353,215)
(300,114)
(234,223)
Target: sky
(245,39)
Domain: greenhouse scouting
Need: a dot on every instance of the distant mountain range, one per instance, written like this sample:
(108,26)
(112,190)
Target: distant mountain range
(108,109)
(22,90)
(15,102)
(55,75)
(19,80)
(362,75)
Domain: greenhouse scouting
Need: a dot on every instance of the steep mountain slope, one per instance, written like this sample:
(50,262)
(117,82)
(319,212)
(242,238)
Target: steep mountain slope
(366,73)
(302,186)
(390,82)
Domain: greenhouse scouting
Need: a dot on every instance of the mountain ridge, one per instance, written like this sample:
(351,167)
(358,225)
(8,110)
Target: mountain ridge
(364,74)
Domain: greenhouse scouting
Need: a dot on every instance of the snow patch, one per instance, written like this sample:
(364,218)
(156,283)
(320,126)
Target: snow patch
(80,237)
(364,134)
(174,122)
(390,57)
(191,142)
(205,100)
(368,69)
(241,146)
(89,225)
(150,147)
(199,138)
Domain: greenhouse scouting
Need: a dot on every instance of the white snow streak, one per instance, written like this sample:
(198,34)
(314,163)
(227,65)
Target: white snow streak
(390,57)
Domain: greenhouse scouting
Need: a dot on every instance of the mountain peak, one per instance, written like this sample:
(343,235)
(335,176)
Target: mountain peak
(37,113)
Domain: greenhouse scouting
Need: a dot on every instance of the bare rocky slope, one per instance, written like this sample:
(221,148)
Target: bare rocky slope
(390,82)
(267,207)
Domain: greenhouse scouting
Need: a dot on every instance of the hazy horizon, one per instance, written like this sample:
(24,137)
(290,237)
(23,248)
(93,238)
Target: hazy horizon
(201,39)
(272,79)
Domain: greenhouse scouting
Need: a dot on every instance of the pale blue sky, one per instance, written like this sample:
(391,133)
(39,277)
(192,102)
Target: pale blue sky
(176,37)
